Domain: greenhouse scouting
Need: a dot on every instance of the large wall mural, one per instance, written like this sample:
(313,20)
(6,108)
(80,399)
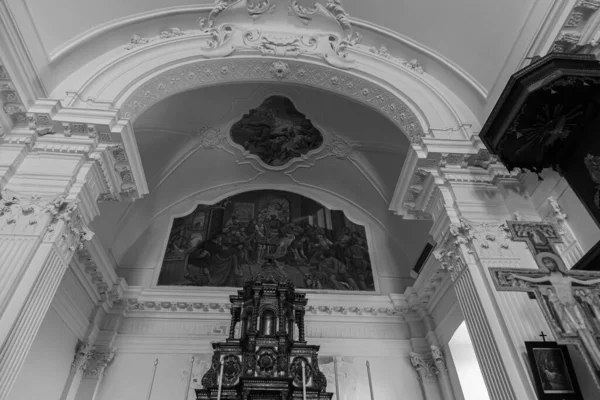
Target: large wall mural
(276,132)
(226,243)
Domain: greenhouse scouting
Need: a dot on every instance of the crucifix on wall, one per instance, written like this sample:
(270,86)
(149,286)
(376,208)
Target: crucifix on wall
(570,300)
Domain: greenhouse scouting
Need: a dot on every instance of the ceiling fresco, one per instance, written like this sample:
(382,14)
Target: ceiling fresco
(276,132)
(226,243)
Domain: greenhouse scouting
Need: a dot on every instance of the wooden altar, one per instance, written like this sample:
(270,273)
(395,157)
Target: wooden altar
(265,362)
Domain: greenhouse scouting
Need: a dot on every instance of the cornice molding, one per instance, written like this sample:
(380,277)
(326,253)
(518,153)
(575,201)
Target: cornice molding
(422,176)
(108,140)
(214,303)
(454,68)
(99,30)
(158,307)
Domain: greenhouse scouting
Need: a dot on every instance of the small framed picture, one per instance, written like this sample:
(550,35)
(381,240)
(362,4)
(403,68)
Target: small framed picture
(552,370)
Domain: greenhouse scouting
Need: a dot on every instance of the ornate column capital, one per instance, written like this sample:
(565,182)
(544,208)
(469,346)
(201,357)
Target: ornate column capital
(465,239)
(424,365)
(83,354)
(30,215)
(98,362)
(438,358)
(448,253)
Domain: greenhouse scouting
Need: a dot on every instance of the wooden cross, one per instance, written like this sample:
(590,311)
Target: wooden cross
(570,300)
(540,239)
(543,335)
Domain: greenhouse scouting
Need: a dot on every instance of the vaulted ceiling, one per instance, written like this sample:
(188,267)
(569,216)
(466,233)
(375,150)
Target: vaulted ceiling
(465,48)
(179,166)
(475,36)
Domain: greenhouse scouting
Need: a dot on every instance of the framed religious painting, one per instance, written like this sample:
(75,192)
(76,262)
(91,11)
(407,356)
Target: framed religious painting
(552,370)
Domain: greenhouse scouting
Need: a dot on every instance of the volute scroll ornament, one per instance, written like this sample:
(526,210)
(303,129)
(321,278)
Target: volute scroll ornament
(425,367)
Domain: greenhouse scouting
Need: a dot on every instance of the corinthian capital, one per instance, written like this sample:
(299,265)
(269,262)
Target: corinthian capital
(98,362)
(82,355)
(424,365)
(438,358)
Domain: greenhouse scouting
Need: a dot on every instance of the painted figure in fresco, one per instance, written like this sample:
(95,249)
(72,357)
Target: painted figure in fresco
(276,132)
(590,303)
(571,316)
(357,259)
(284,227)
(197,268)
(539,241)
(335,272)
(232,224)
(319,246)
(223,264)
(312,281)
(297,248)
(256,237)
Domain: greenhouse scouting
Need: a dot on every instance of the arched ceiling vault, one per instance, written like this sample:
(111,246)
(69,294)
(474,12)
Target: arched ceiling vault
(464,44)
(384,81)
(189,157)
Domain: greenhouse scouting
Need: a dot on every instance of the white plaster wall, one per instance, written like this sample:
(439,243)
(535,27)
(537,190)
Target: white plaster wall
(467,367)
(130,375)
(581,223)
(47,366)
(579,220)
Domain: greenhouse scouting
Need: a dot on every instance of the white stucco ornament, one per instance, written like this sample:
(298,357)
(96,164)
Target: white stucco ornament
(287,29)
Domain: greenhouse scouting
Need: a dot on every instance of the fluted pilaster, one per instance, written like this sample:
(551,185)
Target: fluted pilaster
(487,352)
(83,353)
(21,337)
(15,253)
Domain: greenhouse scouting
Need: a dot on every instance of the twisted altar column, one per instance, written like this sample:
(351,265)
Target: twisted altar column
(300,322)
(235,318)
